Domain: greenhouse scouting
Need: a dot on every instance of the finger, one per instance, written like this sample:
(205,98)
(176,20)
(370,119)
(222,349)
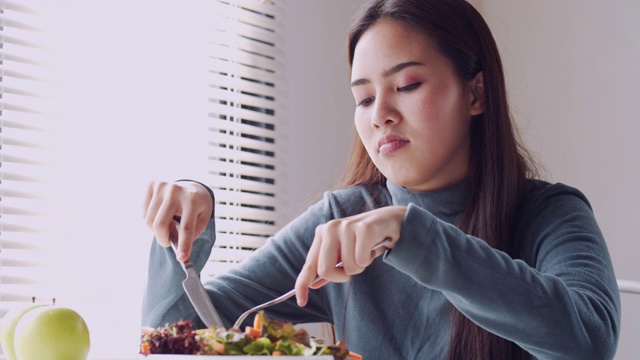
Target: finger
(173,235)
(309,272)
(186,234)
(147,199)
(162,224)
(348,252)
(364,256)
(318,284)
(155,201)
(173,232)
(330,256)
(379,251)
(304,280)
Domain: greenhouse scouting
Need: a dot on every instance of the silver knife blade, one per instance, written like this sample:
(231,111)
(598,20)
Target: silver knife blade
(199,297)
(197,294)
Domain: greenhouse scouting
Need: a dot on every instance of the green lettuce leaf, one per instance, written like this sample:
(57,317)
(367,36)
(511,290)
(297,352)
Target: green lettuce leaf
(260,346)
(288,347)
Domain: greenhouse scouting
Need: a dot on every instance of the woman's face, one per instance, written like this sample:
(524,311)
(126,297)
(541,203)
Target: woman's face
(412,112)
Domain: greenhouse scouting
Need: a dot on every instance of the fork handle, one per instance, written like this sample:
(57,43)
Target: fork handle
(277,300)
(292,292)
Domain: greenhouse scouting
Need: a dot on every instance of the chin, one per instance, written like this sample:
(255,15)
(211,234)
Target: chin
(404,181)
(413,184)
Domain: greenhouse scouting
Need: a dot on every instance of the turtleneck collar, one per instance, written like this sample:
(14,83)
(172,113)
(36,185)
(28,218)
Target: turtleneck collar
(445,204)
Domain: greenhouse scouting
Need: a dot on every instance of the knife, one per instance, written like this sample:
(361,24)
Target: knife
(196,292)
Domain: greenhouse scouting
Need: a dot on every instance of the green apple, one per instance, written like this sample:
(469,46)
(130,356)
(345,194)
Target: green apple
(53,333)
(8,327)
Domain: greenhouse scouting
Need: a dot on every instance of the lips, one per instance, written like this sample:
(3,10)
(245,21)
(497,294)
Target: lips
(388,144)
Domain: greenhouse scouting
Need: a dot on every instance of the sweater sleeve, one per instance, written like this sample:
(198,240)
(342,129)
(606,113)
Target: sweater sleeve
(266,274)
(164,299)
(559,302)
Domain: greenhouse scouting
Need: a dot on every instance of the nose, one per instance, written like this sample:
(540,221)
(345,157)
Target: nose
(384,113)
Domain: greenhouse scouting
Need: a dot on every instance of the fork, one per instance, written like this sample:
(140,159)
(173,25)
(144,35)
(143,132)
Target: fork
(292,292)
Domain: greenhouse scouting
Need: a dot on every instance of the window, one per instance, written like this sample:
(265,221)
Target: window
(245,86)
(95,108)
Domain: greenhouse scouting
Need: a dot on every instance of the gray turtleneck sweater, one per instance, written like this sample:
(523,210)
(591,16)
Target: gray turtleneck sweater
(558,300)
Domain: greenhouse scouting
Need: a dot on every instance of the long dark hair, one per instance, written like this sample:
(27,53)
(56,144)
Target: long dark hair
(499,166)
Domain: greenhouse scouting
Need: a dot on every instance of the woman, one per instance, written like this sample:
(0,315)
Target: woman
(484,261)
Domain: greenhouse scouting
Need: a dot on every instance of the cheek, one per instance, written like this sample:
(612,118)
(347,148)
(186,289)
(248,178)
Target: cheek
(361,123)
(442,106)
(365,131)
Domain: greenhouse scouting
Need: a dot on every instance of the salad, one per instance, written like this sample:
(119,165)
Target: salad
(265,337)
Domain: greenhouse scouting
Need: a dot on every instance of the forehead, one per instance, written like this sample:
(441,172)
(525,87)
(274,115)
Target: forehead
(387,43)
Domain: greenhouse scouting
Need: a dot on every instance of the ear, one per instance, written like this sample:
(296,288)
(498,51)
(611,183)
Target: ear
(476,94)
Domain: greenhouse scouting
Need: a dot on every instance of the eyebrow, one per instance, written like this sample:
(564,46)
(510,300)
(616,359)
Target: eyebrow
(388,72)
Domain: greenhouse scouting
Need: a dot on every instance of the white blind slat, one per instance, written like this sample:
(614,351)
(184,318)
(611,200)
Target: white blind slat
(241,71)
(247,213)
(238,97)
(246,240)
(243,170)
(247,198)
(220,138)
(230,254)
(225,110)
(265,13)
(226,153)
(231,226)
(225,182)
(248,52)
(241,84)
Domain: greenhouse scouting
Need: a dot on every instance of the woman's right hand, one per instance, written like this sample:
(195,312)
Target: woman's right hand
(188,200)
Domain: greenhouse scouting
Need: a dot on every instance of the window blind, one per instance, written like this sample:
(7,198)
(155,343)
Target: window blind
(26,262)
(245,116)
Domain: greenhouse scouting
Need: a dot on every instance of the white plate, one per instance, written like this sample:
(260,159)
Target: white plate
(232,357)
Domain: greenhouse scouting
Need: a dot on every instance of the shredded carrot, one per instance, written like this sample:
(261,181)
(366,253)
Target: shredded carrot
(145,348)
(354,356)
(218,348)
(257,322)
(277,353)
(252,332)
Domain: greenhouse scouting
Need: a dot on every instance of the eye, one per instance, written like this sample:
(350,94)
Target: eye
(365,102)
(409,87)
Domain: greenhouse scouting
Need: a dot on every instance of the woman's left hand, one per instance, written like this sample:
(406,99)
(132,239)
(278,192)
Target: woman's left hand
(349,240)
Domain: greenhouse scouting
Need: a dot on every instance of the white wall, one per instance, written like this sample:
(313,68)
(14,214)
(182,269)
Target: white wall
(119,95)
(320,104)
(573,69)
